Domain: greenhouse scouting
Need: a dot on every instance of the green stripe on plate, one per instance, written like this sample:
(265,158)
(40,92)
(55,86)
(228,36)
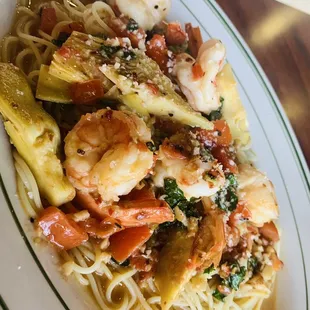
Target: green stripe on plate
(3,304)
(24,237)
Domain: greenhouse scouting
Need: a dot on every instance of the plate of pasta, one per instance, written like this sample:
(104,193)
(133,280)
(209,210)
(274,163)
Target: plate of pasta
(146,162)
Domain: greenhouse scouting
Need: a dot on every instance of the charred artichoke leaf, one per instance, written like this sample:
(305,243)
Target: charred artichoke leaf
(173,269)
(83,57)
(51,88)
(142,76)
(78,60)
(35,135)
(233,111)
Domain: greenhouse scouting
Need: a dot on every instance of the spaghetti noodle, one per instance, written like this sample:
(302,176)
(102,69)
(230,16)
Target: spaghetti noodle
(90,265)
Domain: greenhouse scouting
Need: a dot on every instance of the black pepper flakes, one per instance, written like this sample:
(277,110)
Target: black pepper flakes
(156,7)
(31,220)
(80,151)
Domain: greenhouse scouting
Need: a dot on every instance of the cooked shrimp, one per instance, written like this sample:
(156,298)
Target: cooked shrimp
(193,176)
(106,153)
(197,78)
(257,192)
(147,13)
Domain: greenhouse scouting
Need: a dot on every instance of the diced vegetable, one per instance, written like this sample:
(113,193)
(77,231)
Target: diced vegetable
(173,269)
(35,135)
(194,39)
(128,28)
(48,20)
(52,89)
(124,243)
(60,230)
(220,135)
(86,92)
(129,213)
(157,50)
(242,213)
(175,35)
(101,229)
(222,154)
(141,212)
(270,232)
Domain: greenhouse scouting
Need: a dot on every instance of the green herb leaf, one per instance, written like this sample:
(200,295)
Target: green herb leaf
(216,294)
(178,49)
(62,38)
(132,25)
(151,146)
(173,192)
(232,179)
(234,280)
(253,264)
(175,198)
(209,269)
(205,154)
(128,53)
(108,51)
(217,114)
(227,199)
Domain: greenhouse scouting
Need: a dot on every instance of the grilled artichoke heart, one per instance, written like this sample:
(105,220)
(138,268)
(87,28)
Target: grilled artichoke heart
(34,133)
(83,57)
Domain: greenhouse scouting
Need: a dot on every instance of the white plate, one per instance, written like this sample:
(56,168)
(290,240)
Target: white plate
(29,278)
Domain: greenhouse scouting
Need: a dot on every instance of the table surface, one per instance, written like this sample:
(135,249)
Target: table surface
(279,37)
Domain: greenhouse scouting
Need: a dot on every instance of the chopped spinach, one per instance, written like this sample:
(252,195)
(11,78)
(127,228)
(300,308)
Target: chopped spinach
(209,269)
(253,264)
(62,38)
(226,198)
(205,154)
(232,179)
(178,49)
(217,114)
(175,198)
(107,51)
(132,25)
(128,53)
(234,280)
(176,224)
(218,295)
(151,146)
